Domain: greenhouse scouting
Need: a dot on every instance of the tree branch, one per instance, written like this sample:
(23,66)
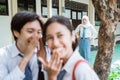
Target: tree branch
(112,4)
(100,8)
(118,14)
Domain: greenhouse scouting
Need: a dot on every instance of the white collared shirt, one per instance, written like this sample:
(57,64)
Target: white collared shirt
(9,60)
(90,31)
(83,70)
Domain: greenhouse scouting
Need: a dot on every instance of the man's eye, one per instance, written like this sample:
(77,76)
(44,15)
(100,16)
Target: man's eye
(30,31)
(39,32)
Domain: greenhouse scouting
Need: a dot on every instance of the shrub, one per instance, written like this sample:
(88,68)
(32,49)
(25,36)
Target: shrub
(115,71)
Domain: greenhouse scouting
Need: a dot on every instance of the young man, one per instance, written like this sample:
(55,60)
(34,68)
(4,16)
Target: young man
(18,61)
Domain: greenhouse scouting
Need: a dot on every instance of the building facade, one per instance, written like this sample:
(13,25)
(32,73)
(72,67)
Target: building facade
(72,9)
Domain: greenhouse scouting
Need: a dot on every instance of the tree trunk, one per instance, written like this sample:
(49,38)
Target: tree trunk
(106,37)
(105,51)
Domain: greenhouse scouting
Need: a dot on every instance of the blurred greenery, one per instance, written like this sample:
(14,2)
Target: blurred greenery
(2,9)
(115,73)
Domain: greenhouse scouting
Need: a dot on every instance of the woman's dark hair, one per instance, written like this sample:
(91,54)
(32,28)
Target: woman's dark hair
(21,18)
(62,20)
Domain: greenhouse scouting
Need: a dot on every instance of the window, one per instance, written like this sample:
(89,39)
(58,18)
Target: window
(55,7)
(68,13)
(75,10)
(97,20)
(79,16)
(28,5)
(118,3)
(44,8)
(54,11)
(73,14)
(44,11)
(3,7)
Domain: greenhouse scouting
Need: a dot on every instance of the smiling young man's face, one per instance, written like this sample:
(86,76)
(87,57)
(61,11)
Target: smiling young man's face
(59,40)
(30,30)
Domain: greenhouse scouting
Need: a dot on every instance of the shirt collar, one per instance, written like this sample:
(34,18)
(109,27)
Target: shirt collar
(71,61)
(14,50)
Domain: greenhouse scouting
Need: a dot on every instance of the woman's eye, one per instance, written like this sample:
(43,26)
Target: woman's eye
(60,35)
(48,38)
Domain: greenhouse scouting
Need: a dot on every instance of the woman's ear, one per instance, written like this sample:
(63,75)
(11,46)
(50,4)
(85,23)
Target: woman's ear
(73,36)
(16,33)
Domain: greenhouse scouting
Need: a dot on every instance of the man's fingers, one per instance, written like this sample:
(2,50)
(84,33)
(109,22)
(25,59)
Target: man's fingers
(41,42)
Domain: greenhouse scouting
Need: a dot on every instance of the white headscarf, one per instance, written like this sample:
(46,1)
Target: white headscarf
(87,21)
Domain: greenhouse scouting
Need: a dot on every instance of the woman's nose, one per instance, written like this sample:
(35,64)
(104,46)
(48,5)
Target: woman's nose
(55,42)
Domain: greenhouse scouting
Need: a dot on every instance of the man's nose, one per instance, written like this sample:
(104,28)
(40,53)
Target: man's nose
(36,35)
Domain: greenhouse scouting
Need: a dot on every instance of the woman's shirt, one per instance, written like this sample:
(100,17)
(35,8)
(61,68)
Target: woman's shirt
(90,31)
(83,70)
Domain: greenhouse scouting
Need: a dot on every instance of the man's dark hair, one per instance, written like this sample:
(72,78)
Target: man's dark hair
(21,18)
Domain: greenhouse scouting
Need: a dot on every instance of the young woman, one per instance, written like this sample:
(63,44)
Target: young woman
(60,38)
(87,34)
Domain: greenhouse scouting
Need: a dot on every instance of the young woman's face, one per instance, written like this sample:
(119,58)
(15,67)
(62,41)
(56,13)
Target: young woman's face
(30,31)
(59,40)
(84,20)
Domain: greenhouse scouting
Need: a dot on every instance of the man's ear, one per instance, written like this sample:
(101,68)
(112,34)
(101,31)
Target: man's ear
(16,33)
(73,36)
